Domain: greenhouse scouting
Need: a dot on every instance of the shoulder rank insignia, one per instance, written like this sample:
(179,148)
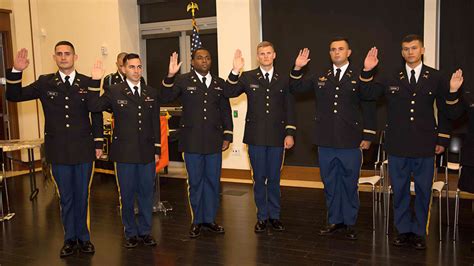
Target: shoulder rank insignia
(402,76)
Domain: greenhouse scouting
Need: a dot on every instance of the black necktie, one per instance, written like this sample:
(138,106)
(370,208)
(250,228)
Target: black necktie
(338,74)
(68,85)
(135,92)
(204,81)
(412,78)
(267,77)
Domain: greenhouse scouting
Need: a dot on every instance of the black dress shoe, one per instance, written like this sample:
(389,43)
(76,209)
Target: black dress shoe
(86,247)
(195,230)
(330,229)
(277,225)
(68,248)
(351,233)
(402,239)
(418,242)
(213,227)
(131,242)
(260,226)
(148,240)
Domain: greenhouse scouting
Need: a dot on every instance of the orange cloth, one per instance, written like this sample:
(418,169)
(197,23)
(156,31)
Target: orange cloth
(164,157)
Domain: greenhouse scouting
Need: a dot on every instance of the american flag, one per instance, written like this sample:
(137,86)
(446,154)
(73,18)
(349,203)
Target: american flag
(195,39)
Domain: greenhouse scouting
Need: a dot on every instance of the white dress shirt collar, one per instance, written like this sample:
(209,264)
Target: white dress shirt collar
(72,76)
(417,71)
(208,78)
(131,85)
(343,69)
(270,72)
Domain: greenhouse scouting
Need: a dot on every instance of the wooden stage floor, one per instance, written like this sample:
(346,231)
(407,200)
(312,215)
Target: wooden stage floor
(35,235)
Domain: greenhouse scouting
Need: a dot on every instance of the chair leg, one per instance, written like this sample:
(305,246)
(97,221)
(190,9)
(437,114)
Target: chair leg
(373,208)
(440,201)
(447,196)
(381,184)
(456,215)
(388,212)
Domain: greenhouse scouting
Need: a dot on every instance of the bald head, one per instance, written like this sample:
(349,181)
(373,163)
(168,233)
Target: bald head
(119,63)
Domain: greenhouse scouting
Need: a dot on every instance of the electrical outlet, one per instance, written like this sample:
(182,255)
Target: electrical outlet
(235,152)
(104,50)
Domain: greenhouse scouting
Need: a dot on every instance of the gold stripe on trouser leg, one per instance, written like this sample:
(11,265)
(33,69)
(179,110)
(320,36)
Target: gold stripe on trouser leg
(187,182)
(282,163)
(120,195)
(431,199)
(253,180)
(88,198)
(360,169)
(283,159)
(59,194)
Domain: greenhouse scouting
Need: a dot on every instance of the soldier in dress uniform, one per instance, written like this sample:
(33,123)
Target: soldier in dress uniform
(71,142)
(205,131)
(269,129)
(460,101)
(117,77)
(135,147)
(345,125)
(413,136)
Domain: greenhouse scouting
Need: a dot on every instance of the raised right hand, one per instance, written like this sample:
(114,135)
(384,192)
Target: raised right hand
(456,81)
(21,60)
(302,59)
(174,65)
(238,62)
(371,60)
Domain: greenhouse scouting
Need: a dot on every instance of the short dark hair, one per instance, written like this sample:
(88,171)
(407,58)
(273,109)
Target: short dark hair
(340,38)
(129,57)
(412,37)
(65,43)
(199,49)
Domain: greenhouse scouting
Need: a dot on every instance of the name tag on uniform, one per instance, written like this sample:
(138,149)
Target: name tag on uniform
(82,91)
(52,93)
(393,88)
(354,82)
(254,86)
(148,99)
(122,101)
(321,83)
(191,88)
(218,88)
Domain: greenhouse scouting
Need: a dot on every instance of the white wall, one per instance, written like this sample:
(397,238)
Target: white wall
(88,24)
(238,26)
(430,36)
(6,4)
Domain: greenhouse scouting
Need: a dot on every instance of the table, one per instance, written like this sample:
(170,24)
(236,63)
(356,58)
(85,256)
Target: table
(16,145)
